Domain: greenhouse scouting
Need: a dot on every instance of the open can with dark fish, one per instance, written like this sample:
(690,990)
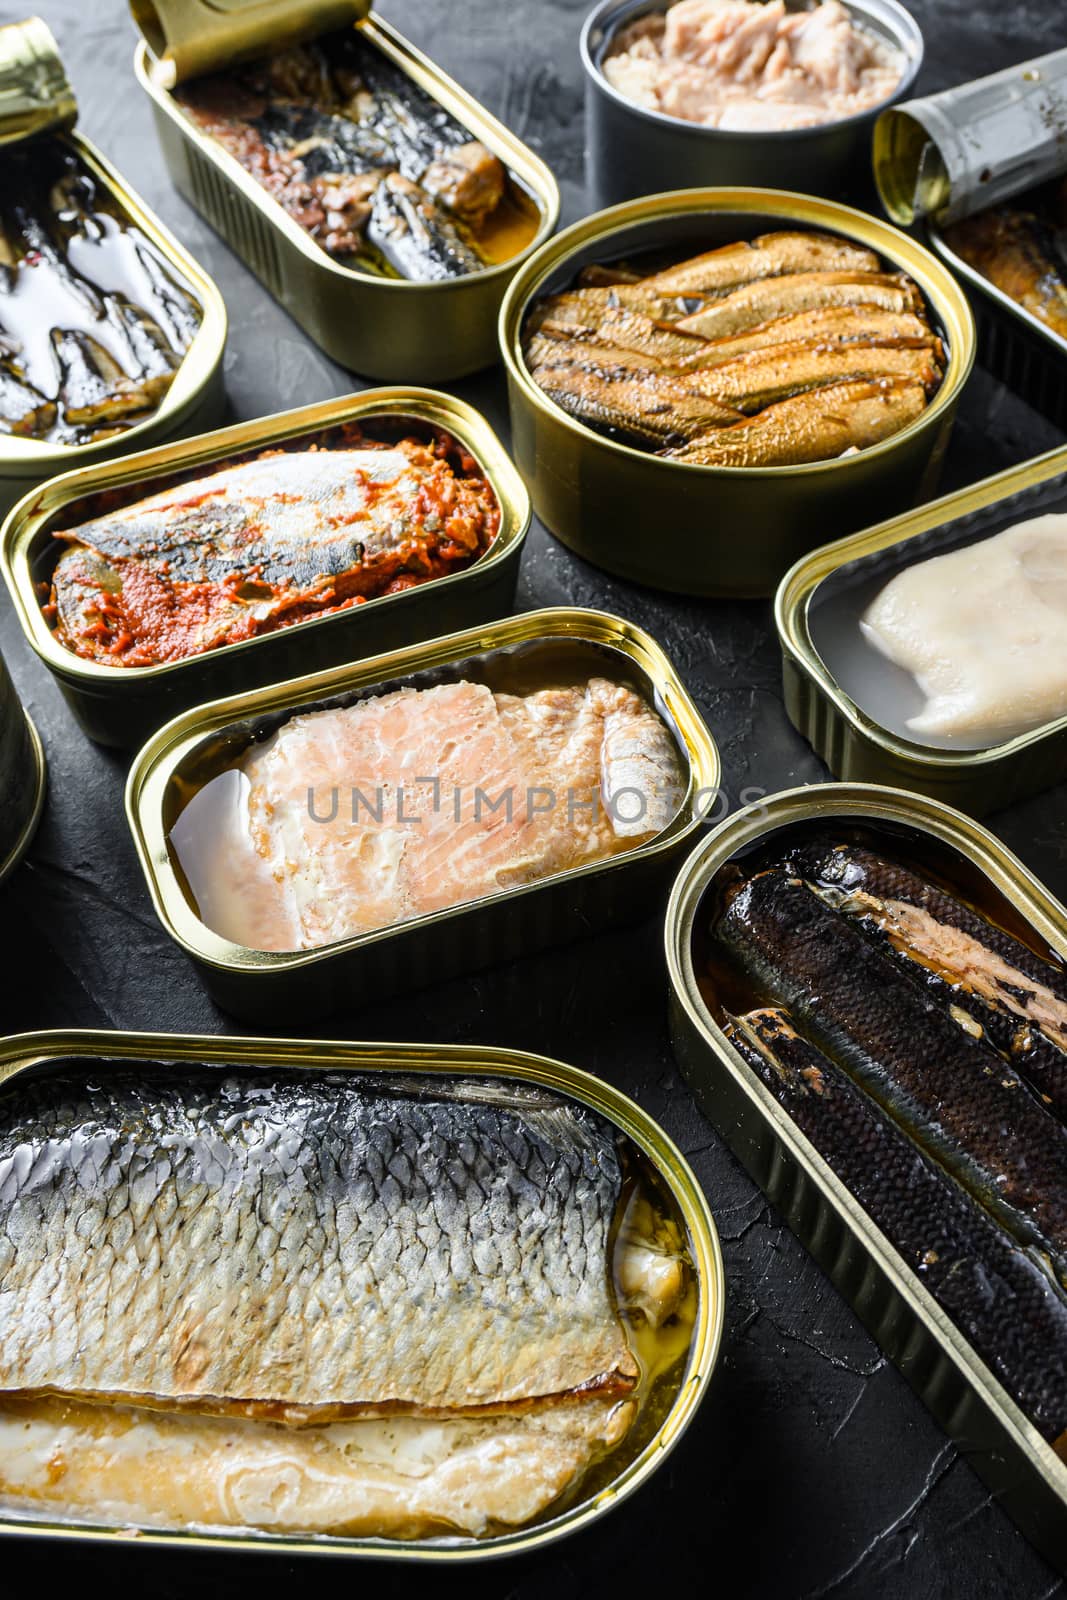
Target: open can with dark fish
(982,166)
(524,1284)
(869,999)
(262,551)
(705,384)
(753,135)
(22,776)
(372,829)
(378,202)
(110,334)
(927,651)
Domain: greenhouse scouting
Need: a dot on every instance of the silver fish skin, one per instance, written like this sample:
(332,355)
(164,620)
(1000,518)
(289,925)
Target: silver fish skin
(305,1247)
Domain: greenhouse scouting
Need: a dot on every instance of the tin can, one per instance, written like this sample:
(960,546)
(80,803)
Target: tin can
(1023,1471)
(39,1053)
(22,777)
(958,152)
(716,530)
(36,101)
(393,329)
(634,151)
(817,614)
(121,705)
(183,756)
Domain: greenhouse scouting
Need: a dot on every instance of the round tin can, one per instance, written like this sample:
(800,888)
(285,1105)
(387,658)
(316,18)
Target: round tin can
(634,151)
(22,777)
(706,530)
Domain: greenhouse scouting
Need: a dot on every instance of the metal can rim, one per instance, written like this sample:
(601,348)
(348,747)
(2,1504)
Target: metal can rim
(873,803)
(20,528)
(33,459)
(799,585)
(545,189)
(25,838)
(152,768)
(938,284)
(907,37)
(490,1061)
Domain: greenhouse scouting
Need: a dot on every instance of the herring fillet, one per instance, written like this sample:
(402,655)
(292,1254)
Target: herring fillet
(305,1248)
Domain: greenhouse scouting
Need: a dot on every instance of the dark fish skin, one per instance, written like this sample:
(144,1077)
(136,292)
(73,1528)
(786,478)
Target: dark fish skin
(953,1093)
(306,1246)
(870,888)
(95,388)
(417,236)
(1003,1302)
(23,409)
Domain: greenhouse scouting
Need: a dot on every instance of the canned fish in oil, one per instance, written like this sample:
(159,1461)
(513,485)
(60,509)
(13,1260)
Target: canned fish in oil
(671,1388)
(541,649)
(633,150)
(852,704)
(22,777)
(381,325)
(137,351)
(697,529)
(1027,1475)
(121,705)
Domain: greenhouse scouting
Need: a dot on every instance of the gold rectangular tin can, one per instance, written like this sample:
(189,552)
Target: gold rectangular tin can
(22,776)
(442,945)
(395,330)
(1024,1472)
(40,1053)
(36,101)
(122,705)
(716,530)
(854,745)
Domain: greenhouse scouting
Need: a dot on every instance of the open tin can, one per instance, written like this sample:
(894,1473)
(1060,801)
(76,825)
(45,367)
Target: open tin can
(671,1404)
(22,777)
(121,705)
(708,530)
(394,329)
(37,115)
(852,704)
(1026,1474)
(634,150)
(184,756)
(945,158)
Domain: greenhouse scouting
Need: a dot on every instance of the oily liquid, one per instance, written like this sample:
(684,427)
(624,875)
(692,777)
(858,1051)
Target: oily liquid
(230,885)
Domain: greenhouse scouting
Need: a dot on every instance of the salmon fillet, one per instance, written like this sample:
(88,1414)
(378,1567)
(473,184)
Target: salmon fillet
(400,805)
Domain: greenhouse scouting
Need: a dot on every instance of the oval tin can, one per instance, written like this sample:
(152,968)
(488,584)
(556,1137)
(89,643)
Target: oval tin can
(817,615)
(121,705)
(702,530)
(437,946)
(1025,1473)
(633,150)
(36,102)
(393,329)
(22,776)
(41,1053)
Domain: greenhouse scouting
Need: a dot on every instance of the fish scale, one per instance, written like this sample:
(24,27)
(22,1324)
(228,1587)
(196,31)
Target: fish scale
(319,1200)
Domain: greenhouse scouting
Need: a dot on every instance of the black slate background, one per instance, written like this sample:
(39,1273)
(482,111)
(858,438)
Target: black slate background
(812,1470)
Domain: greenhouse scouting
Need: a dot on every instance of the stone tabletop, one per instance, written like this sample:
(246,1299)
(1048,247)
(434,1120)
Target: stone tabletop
(812,1470)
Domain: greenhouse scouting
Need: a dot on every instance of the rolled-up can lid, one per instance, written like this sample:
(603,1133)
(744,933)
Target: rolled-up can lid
(190,37)
(955,153)
(35,96)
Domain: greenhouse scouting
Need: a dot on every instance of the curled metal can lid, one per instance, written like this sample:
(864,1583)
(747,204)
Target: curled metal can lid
(952,154)
(190,37)
(35,96)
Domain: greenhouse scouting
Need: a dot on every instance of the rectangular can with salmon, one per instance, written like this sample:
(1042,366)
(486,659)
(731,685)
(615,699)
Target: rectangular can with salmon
(382,206)
(264,550)
(868,997)
(372,829)
(495,1388)
(926,651)
(110,333)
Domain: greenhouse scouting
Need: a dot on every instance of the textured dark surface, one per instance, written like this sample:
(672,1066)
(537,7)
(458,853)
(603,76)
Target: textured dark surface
(812,1470)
